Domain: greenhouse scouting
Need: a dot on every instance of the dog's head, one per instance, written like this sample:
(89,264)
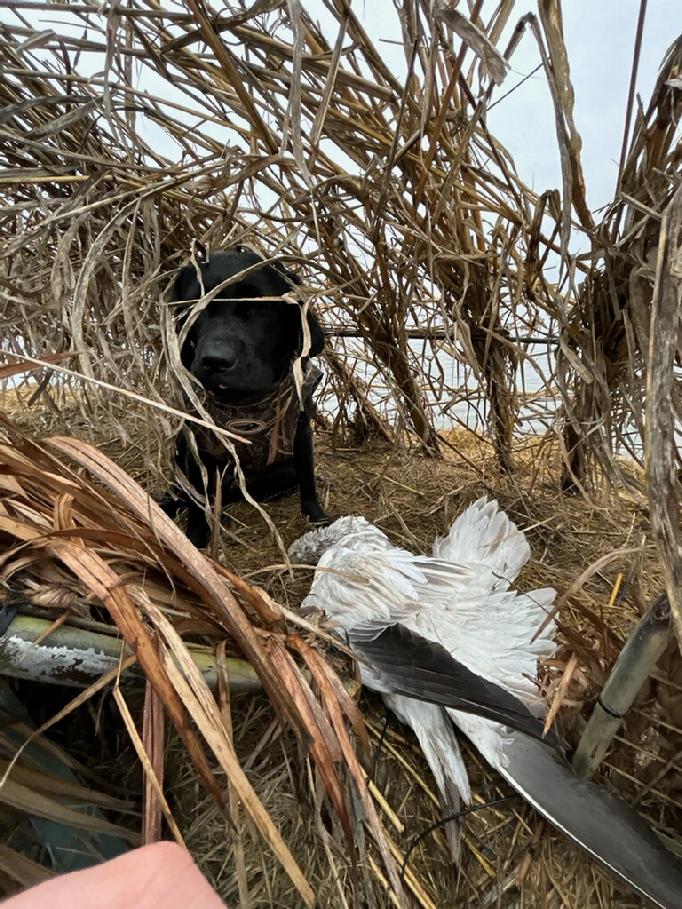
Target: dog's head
(240,347)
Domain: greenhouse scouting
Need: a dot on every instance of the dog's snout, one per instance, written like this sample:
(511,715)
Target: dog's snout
(216,356)
(214,362)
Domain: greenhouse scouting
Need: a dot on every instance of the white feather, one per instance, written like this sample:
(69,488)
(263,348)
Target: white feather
(458,597)
(439,745)
(461,598)
(483,534)
(437,740)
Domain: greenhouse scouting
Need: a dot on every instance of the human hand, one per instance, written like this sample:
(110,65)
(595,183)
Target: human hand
(160,876)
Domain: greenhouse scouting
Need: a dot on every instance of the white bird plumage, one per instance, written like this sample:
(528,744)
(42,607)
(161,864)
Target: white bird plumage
(393,607)
(459,597)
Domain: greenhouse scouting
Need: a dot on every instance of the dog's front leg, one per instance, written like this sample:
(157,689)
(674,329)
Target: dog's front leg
(198,529)
(175,498)
(304,463)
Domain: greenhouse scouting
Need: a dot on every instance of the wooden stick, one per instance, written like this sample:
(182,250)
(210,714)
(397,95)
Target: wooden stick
(632,668)
(438,334)
(74,656)
(153,742)
(661,444)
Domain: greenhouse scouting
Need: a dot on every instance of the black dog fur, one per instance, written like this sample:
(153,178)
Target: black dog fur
(240,349)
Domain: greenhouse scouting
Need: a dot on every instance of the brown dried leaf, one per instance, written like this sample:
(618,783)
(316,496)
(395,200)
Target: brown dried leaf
(22,798)
(493,61)
(561,691)
(22,869)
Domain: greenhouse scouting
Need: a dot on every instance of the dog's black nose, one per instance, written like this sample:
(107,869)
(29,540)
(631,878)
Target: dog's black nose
(218,363)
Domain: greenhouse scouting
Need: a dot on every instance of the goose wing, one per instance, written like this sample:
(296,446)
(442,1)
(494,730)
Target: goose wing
(409,665)
(484,534)
(491,632)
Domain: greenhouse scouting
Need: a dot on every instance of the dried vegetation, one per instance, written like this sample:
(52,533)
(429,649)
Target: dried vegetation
(127,132)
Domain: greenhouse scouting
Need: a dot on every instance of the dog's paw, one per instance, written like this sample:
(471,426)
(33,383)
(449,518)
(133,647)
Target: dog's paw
(316,514)
(198,532)
(171,504)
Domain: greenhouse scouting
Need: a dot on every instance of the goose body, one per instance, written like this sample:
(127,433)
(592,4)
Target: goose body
(450,645)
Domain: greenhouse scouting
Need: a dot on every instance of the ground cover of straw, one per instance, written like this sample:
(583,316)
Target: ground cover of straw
(427,233)
(509,856)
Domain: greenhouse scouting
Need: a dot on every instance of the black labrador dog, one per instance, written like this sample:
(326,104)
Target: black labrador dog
(242,350)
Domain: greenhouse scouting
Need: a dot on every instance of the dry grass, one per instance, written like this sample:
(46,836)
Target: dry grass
(413,232)
(421,246)
(413,500)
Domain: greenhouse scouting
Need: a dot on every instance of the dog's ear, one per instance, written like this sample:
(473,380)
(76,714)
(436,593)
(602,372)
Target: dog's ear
(292,276)
(316,335)
(176,292)
(184,285)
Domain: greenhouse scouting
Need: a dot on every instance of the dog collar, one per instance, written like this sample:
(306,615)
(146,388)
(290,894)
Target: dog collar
(268,425)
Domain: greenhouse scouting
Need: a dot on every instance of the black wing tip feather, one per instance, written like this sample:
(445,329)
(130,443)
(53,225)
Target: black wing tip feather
(424,670)
(606,827)
(600,823)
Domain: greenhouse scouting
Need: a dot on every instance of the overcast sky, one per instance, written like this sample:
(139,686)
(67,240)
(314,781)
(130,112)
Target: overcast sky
(599,35)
